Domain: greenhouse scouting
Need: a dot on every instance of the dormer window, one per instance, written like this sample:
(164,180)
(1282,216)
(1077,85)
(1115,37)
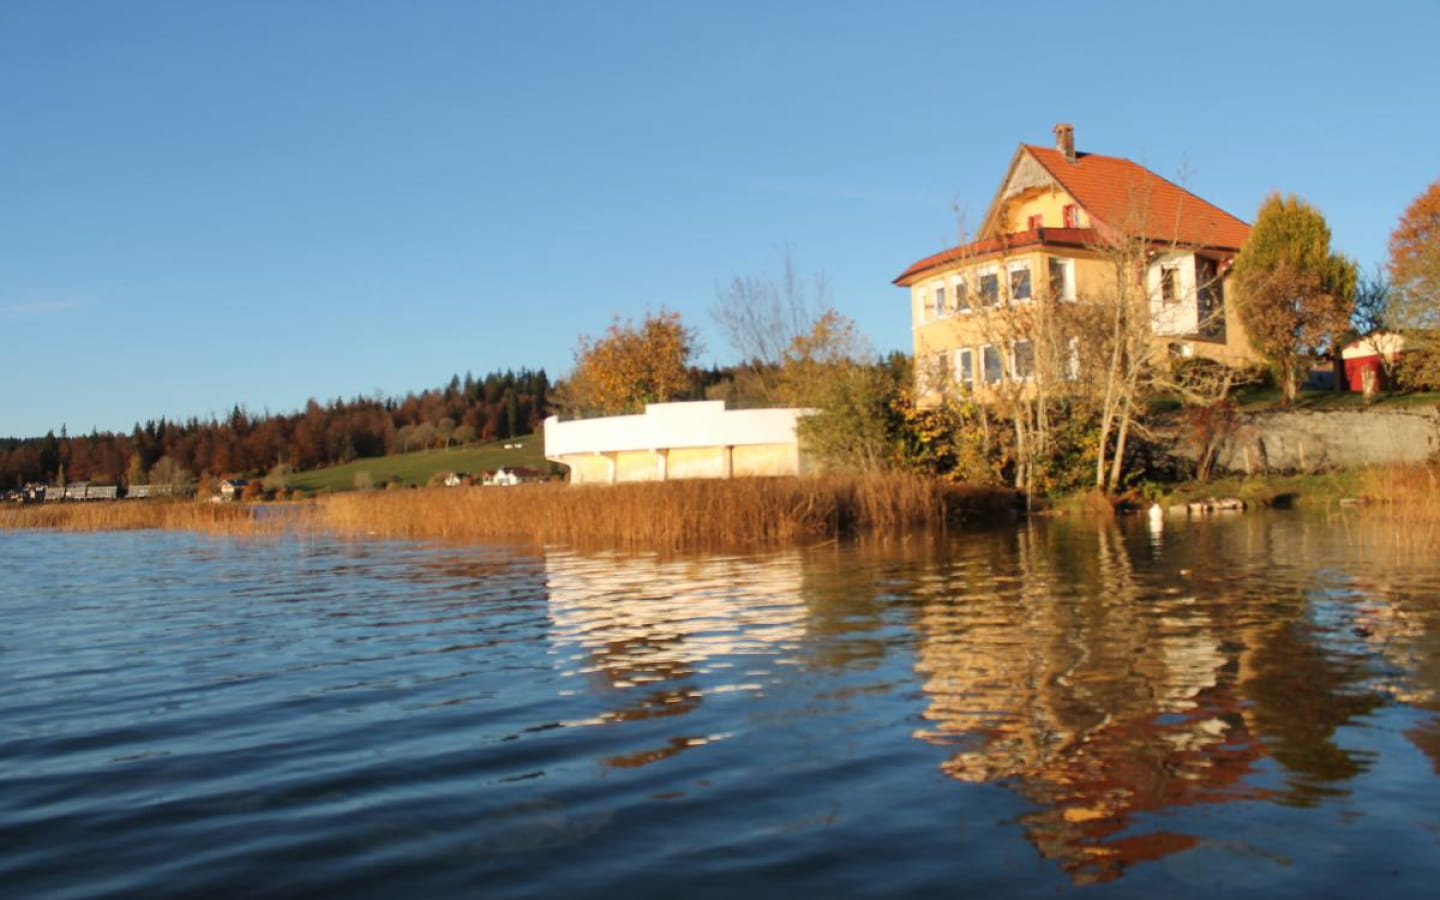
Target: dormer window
(1071,214)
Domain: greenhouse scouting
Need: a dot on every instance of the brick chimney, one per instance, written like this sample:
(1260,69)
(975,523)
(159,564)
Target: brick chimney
(1065,141)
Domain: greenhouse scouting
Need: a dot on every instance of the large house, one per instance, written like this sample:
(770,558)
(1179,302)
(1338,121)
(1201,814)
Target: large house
(1064,229)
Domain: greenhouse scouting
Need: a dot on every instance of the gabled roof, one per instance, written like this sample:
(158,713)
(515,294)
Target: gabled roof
(1131,198)
(1117,195)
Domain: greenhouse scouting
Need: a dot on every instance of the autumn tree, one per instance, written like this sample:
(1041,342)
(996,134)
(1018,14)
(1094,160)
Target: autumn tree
(631,365)
(1294,292)
(762,317)
(831,370)
(1414,269)
(168,473)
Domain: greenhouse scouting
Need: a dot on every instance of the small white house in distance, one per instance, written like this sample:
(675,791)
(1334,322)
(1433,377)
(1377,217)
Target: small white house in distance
(677,440)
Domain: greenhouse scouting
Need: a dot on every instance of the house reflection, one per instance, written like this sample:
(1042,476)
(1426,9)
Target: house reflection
(659,635)
(1106,678)
(1060,680)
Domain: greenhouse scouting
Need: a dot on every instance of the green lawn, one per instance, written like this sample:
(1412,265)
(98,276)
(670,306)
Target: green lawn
(1253,399)
(416,468)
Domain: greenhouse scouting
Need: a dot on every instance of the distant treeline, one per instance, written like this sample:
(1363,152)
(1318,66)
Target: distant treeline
(499,406)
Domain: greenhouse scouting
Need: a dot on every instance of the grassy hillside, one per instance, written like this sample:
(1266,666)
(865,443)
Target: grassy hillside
(416,468)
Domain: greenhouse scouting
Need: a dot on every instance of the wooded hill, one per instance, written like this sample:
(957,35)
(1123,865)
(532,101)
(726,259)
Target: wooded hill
(498,406)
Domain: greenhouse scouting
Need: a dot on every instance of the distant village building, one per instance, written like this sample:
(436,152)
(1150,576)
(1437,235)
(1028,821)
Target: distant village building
(80,490)
(232,488)
(509,476)
(677,440)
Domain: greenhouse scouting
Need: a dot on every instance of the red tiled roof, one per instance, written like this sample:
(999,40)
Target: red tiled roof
(1130,197)
(1049,237)
(1116,193)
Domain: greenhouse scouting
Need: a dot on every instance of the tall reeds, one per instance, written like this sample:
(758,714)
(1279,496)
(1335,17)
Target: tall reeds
(1407,500)
(129,515)
(671,515)
(664,515)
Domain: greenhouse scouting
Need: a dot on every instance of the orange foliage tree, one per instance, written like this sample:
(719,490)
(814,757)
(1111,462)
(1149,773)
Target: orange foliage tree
(631,366)
(1414,269)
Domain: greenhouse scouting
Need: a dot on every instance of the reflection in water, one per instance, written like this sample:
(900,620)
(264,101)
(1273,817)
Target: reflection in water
(1107,676)
(1253,702)
(651,630)
(1060,679)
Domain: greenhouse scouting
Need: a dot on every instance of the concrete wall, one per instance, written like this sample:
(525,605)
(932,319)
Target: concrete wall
(677,440)
(1310,440)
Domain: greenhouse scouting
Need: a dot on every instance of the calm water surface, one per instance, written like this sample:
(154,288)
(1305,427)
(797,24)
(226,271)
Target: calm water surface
(1247,706)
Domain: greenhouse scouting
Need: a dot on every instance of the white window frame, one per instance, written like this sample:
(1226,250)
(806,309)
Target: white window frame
(935,366)
(937,295)
(985,349)
(1015,360)
(965,368)
(1010,271)
(1067,276)
(990,271)
(959,287)
(1177,281)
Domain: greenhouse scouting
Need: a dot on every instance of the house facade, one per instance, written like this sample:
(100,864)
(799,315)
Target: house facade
(1066,234)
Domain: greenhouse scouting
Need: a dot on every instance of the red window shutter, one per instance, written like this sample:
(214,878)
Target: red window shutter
(1072,216)
(1037,221)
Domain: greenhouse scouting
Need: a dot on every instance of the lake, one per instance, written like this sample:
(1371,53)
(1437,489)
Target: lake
(1247,705)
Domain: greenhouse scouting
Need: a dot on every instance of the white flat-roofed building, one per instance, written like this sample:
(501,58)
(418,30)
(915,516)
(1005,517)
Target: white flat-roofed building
(669,441)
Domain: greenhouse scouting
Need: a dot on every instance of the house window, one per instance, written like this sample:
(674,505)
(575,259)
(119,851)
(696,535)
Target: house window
(1062,279)
(940,301)
(1036,222)
(990,289)
(1020,282)
(965,368)
(1170,285)
(990,359)
(1071,215)
(1211,299)
(962,295)
(1024,353)
(934,372)
(1072,359)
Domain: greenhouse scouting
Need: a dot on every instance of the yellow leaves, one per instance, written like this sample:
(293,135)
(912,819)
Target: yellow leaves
(631,366)
(832,348)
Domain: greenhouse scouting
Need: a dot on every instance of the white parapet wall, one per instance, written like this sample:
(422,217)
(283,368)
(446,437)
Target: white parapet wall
(677,440)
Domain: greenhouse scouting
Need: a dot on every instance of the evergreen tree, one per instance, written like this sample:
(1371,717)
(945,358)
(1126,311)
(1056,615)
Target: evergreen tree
(1295,294)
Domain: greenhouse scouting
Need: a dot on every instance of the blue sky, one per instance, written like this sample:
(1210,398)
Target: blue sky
(212,203)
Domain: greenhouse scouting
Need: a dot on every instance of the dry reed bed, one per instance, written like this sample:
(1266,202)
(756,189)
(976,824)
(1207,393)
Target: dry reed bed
(678,514)
(663,515)
(215,518)
(1407,500)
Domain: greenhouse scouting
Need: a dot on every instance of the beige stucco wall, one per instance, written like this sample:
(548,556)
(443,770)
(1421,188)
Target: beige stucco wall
(697,462)
(677,440)
(1047,202)
(767,459)
(1093,276)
